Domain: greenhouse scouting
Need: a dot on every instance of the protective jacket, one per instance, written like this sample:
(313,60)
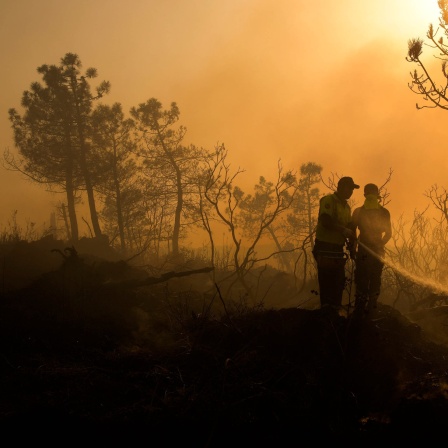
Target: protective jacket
(374,224)
(340,212)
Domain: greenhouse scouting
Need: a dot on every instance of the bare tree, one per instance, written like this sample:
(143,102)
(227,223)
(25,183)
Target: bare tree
(439,198)
(424,83)
(416,265)
(239,212)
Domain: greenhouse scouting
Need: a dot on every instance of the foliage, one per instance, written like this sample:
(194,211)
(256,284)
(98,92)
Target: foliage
(172,168)
(53,134)
(113,149)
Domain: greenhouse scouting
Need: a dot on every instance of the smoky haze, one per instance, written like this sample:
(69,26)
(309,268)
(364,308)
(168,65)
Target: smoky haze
(296,81)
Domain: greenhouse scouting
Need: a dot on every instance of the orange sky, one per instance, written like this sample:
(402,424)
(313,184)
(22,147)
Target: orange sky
(295,80)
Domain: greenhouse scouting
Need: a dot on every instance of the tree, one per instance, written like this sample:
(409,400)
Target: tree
(246,217)
(425,251)
(113,148)
(299,226)
(417,261)
(309,195)
(254,207)
(53,134)
(439,198)
(424,83)
(43,136)
(169,165)
(80,102)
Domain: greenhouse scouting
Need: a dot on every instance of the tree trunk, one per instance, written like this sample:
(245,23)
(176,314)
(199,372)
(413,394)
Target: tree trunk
(180,196)
(69,188)
(177,214)
(89,189)
(283,258)
(67,225)
(84,166)
(118,202)
(72,214)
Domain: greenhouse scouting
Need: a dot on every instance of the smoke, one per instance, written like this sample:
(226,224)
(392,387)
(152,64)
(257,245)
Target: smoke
(296,81)
(433,285)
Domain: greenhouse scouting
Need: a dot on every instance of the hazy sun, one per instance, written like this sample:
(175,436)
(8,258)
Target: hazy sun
(423,11)
(406,18)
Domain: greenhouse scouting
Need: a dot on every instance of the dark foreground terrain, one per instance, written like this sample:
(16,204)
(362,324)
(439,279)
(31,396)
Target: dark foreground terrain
(84,360)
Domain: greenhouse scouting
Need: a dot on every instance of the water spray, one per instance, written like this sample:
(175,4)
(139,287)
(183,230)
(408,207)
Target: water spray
(436,287)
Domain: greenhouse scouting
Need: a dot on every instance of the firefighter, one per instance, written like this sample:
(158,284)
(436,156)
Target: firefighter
(334,233)
(375,230)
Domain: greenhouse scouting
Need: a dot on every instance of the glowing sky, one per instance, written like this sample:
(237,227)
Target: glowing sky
(296,80)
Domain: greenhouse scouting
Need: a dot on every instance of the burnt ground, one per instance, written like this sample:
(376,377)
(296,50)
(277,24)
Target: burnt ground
(83,360)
